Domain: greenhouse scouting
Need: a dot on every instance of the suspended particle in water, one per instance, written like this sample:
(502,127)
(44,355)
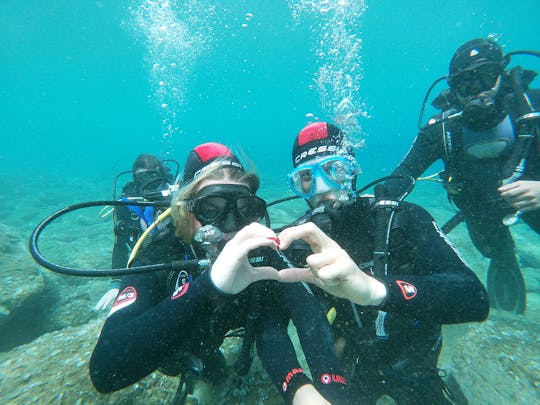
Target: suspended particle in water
(161,83)
(244,25)
(248,16)
(309,115)
(164,105)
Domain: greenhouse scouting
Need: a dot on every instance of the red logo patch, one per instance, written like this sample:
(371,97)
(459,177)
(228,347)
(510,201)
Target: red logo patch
(127,297)
(180,291)
(407,289)
(330,378)
(289,376)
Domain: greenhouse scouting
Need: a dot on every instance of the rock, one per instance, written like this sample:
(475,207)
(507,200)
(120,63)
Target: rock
(54,369)
(35,301)
(23,292)
(498,362)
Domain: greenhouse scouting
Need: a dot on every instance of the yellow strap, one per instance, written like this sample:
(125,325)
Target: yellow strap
(331,315)
(160,218)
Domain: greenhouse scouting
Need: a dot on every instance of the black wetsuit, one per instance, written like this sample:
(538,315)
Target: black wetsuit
(159,315)
(129,226)
(473,186)
(428,285)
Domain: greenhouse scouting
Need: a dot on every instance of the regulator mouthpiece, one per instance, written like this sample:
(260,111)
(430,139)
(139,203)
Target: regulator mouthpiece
(210,238)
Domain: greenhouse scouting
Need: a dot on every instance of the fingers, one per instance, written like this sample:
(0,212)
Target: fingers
(251,237)
(523,195)
(296,274)
(309,232)
(252,230)
(319,260)
(525,206)
(328,267)
(512,193)
(509,186)
(265,273)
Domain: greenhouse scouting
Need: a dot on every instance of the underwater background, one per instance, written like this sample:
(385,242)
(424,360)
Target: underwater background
(86,86)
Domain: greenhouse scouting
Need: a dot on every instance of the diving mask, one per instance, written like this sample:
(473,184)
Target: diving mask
(333,173)
(475,81)
(214,203)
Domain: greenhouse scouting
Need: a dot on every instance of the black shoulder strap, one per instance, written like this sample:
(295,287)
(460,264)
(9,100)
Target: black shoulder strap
(451,142)
(385,210)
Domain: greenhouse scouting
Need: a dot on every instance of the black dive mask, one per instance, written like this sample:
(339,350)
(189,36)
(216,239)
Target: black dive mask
(477,91)
(150,181)
(229,207)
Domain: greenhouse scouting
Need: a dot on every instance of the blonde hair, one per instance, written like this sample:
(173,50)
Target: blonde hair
(183,218)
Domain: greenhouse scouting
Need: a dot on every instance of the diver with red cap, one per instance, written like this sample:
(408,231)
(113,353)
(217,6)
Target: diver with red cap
(382,268)
(175,321)
(487,138)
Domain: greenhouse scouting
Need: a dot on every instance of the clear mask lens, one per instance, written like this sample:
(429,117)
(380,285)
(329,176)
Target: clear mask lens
(334,173)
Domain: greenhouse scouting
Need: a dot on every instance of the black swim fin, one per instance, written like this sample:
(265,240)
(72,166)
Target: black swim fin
(506,286)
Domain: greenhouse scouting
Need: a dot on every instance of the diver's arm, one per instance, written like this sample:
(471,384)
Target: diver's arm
(317,340)
(442,287)
(272,337)
(279,303)
(425,150)
(144,328)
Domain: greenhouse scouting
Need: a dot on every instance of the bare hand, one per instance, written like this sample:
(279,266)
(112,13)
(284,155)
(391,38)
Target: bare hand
(232,272)
(330,267)
(523,195)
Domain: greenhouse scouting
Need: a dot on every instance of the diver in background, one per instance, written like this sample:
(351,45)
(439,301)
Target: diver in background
(162,320)
(487,137)
(385,271)
(150,175)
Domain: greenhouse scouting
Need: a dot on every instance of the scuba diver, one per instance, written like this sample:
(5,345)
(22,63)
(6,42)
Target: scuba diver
(175,321)
(487,137)
(387,275)
(150,177)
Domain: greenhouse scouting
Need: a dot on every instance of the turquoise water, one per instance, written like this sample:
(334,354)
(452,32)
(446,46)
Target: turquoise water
(85,86)
(80,80)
